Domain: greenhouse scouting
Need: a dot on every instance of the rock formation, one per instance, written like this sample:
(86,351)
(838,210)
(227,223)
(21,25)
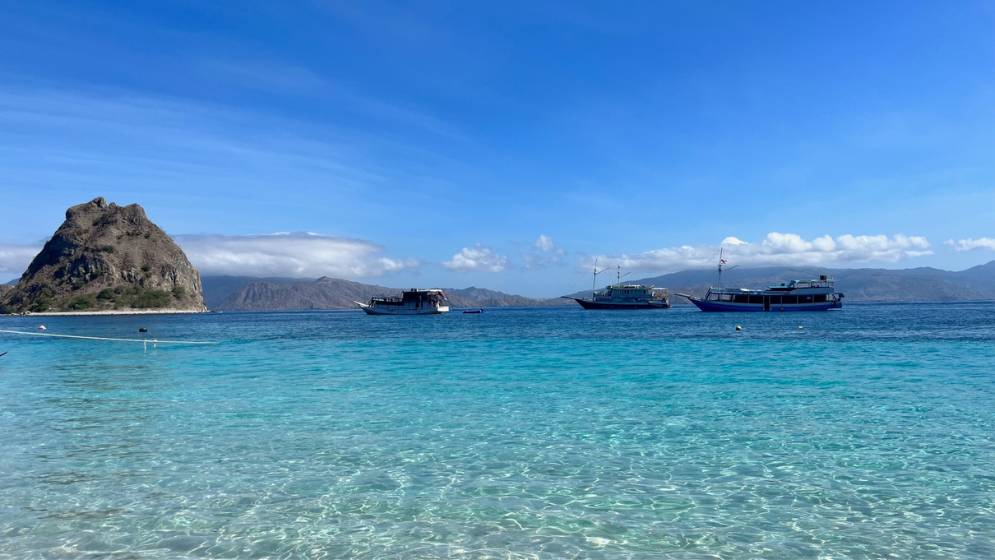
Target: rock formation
(106,257)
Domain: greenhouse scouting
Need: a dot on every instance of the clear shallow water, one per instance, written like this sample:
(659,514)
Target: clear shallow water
(517,433)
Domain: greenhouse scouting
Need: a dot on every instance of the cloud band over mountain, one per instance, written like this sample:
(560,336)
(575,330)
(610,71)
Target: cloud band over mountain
(289,254)
(14,259)
(776,249)
(972,244)
(309,255)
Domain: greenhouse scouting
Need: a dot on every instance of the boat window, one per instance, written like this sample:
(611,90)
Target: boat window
(756,299)
(804,299)
(820,298)
(775,300)
(741,298)
(725,297)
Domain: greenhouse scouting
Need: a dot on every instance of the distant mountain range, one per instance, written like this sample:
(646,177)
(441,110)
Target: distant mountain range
(241,293)
(858,284)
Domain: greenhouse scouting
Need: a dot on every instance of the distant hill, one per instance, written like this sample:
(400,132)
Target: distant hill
(217,289)
(858,284)
(240,293)
(233,293)
(482,297)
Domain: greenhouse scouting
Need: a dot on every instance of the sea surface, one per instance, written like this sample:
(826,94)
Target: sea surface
(517,433)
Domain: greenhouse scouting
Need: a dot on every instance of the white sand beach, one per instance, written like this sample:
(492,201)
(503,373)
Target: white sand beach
(111,312)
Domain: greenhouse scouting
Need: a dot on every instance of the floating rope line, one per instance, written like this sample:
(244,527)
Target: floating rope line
(143,340)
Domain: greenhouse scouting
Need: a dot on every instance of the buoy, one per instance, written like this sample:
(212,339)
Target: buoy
(42,328)
(739,327)
(801,326)
(143,329)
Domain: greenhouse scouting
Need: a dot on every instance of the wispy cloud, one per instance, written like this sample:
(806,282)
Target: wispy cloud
(777,249)
(971,244)
(14,259)
(544,253)
(52,137)
(476,258)
(545,243)
(263,75)
(290,79)
(289,254)
(114,140)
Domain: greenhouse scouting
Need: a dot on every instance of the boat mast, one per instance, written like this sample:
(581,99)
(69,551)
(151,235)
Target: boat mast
(722,266)
(721,262)
(594,282)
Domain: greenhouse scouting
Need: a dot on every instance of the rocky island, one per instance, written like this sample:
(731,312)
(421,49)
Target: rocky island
(107,258)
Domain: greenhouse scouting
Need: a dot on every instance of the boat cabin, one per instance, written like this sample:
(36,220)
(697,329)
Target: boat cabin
(631,293)
(413,298)
(758,297)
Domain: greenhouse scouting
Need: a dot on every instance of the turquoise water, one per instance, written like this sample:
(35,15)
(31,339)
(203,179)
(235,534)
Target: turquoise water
(551,433)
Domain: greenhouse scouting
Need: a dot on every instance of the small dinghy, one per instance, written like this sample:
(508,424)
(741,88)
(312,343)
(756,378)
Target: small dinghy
(473,311)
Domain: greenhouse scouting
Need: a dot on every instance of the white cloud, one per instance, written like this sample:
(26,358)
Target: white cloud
(476,258)
(14,259)
(288,254)
(544,253)
(970,244)
(778,249)
(545,243)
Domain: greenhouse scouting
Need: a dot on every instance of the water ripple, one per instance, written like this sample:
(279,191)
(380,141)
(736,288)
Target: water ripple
(515,434)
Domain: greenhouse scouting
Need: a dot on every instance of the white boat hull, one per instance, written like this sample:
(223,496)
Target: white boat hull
(402,309)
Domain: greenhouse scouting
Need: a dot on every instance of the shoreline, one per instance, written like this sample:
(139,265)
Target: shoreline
(107,312)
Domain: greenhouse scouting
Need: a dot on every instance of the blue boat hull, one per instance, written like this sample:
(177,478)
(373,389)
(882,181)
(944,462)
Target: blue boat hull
(588,304)
(722,306)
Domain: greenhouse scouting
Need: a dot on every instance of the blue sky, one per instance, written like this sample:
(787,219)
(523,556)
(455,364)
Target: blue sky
(507,145)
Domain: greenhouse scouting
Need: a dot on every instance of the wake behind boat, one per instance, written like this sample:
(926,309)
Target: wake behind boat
(410,302)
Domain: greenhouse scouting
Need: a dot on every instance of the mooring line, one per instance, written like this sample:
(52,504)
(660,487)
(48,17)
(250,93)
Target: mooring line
(144,340)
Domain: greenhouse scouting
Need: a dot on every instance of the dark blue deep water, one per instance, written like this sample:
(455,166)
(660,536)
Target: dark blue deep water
(523,433)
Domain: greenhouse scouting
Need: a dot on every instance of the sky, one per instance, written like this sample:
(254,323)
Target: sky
(506,145)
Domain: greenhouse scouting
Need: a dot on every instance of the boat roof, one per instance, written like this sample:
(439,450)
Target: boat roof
(790,282)
(780,288)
